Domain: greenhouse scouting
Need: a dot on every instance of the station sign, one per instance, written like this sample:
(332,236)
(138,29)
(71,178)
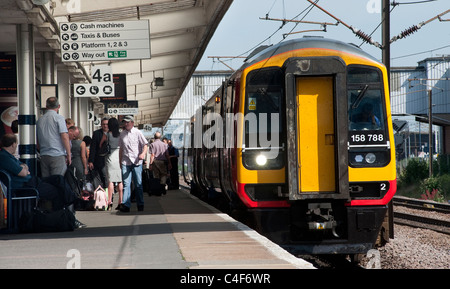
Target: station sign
(102,83)
(122,108)
(92,90)
(105,41)
(123,111)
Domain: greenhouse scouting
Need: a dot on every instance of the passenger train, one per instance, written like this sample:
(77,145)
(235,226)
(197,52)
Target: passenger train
(300,139)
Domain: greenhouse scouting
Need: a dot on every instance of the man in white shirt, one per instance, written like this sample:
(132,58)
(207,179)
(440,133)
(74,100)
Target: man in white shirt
(133,149)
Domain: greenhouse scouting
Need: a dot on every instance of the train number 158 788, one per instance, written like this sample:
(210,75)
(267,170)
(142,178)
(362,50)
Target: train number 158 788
(367,138)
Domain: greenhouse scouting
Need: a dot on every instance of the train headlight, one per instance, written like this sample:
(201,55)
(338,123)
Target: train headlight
(370,158)
(261,160)
(359,158)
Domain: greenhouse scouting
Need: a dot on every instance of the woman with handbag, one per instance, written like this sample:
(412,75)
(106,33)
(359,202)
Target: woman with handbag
(113,171)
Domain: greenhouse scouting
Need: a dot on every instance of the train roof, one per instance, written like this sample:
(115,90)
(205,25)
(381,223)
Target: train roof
(302,43)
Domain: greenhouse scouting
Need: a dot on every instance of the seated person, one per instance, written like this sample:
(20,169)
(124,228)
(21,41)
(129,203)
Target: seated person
(52,188)
(367,117)
(18,171)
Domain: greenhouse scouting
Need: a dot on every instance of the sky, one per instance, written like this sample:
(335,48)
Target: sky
(241,30)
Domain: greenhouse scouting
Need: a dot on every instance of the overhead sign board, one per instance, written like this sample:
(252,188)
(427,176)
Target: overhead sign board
(102,83)
(122,108)
(100,41)
(92,90)
(123,111)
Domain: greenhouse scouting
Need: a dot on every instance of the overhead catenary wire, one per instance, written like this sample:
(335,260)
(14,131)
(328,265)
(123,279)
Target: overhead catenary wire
(414,28)
(298,21)
(284,21)
(271,35)
(376,28)
(229,57)
(356,31)
(418,53)
(407,3)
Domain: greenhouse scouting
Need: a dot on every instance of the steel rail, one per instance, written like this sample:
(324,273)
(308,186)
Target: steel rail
(437,225)
(421,204)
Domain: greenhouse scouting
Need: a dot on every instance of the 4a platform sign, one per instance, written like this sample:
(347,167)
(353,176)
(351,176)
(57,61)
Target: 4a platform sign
(102,83)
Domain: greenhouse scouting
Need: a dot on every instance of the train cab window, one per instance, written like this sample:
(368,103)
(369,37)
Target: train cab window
(365,99)
(368,134)
(263,105)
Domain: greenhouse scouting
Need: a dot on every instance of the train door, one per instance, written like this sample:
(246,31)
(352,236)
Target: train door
(315,134)
(316,128)
(225,160)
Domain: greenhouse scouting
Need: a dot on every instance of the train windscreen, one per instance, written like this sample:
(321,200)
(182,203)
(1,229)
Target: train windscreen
(263,116)
(368,137)
(365,99)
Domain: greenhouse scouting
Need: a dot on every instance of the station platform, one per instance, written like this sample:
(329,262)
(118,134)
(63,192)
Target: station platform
(175,231)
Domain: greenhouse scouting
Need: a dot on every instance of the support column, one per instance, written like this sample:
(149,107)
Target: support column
(26,95)
(82,122)
(48,68)
(75,110)
(64,92)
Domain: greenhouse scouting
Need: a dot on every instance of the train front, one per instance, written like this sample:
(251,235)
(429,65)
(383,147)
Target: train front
(324,185)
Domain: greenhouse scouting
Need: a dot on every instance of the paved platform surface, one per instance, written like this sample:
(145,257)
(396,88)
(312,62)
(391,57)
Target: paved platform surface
(175,231)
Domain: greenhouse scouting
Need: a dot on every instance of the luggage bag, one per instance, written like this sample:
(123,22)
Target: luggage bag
(101,199)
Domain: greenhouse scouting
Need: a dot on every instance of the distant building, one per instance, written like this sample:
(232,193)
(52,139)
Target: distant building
(199,89)
(409,93)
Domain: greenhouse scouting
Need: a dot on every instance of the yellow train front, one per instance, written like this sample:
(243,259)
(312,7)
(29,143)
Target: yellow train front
(301,138)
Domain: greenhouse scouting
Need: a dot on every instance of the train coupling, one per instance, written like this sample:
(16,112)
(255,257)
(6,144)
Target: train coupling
(321,218)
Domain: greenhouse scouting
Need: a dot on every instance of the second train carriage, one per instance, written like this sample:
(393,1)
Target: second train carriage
(301,139)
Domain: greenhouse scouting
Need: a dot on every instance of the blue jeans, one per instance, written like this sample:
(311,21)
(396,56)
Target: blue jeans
(135,172)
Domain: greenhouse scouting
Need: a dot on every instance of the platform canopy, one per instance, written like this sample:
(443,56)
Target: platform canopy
(180,31)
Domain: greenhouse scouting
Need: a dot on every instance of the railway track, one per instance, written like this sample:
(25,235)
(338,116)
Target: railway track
(423,214)
(421,204)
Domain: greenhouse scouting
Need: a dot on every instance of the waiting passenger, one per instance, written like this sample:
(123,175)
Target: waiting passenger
(53,140)
(96,161)
(79,155)
(173,159)
(18,171)
(52,188)
(159,157)
(113,170)
(133,148)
